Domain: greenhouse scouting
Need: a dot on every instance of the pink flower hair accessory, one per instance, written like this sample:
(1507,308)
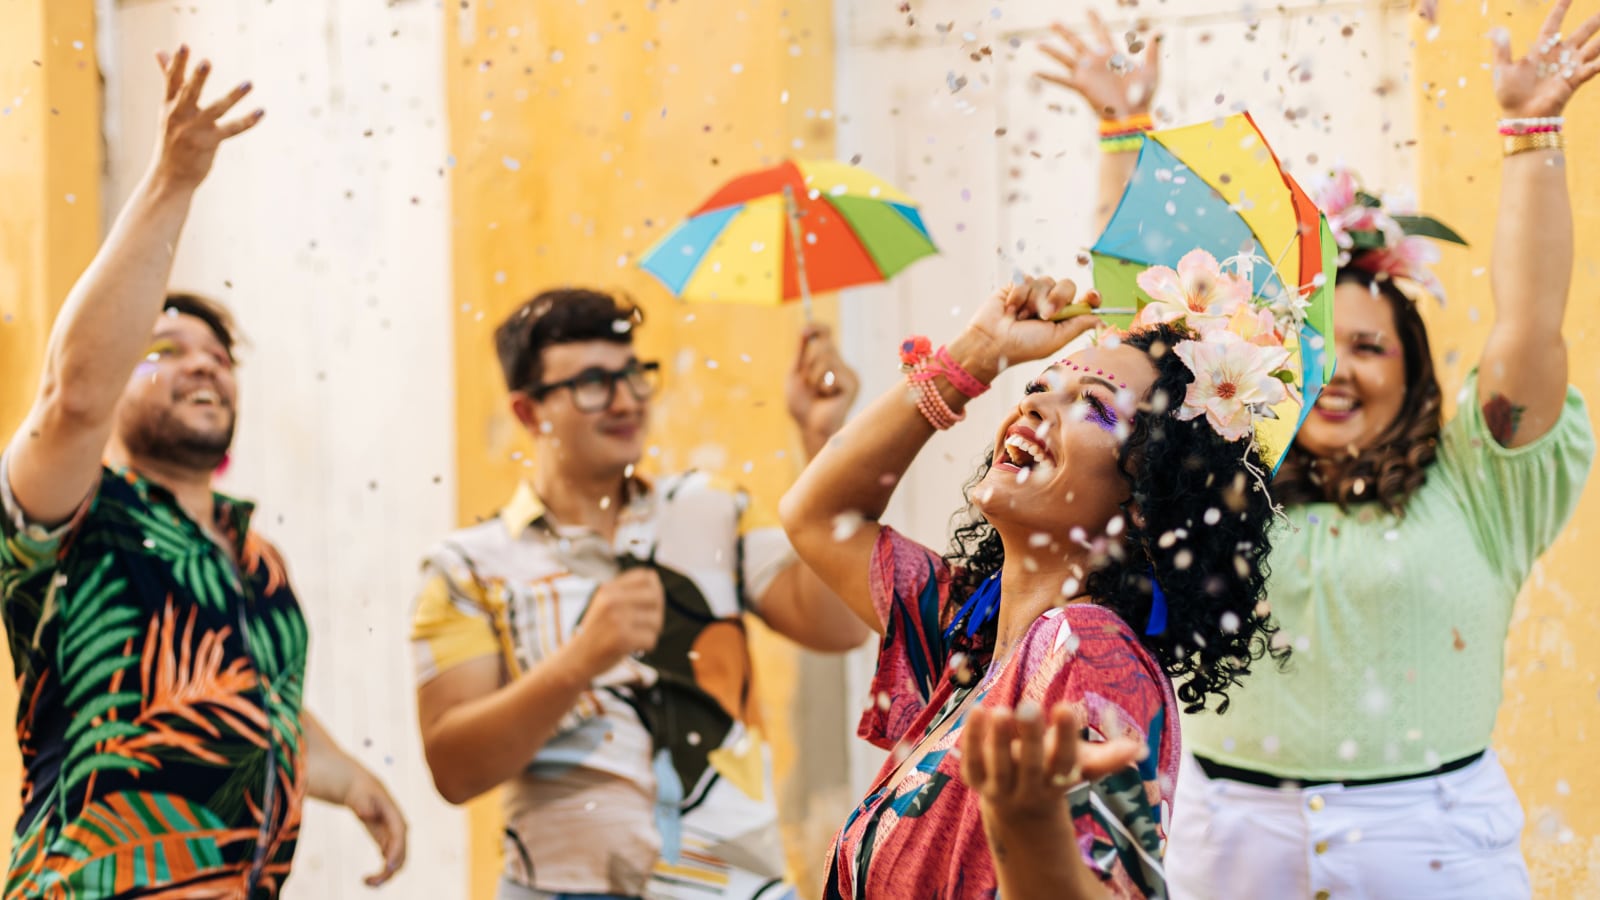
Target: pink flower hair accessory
(1385,236)
(1238,355)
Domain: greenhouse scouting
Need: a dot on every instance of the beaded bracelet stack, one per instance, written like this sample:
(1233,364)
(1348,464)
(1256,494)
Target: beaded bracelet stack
(1123,135)
(1540,133)
(921,365)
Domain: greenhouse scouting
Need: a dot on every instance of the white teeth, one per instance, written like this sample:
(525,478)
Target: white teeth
(207,397)
(1336,403)
(1023,452)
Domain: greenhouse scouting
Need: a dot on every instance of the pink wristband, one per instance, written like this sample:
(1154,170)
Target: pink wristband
(959,378)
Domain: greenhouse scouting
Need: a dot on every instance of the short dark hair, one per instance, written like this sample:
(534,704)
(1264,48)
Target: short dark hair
(1397,465)
(211,312)
(561,316)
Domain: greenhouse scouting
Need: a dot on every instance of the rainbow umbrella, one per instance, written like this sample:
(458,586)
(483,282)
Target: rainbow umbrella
(780,233)
(1218,187)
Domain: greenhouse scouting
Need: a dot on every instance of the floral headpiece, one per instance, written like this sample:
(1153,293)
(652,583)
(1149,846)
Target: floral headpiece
(1238,355)
(1384,235)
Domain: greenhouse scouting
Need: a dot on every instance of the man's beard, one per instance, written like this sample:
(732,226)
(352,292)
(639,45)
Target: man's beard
(163,436)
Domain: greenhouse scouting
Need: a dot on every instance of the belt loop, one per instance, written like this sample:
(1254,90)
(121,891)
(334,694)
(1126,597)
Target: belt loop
(1448,795)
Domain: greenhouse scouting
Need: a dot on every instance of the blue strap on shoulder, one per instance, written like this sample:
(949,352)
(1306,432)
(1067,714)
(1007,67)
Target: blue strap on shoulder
(1158,607)
(979,608)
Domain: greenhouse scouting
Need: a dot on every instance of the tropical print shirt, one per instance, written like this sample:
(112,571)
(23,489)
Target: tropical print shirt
(921,835)
(160,691)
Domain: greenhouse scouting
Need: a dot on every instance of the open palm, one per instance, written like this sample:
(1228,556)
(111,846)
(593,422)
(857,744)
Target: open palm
(1116,83)
(1542,82)
(190,133)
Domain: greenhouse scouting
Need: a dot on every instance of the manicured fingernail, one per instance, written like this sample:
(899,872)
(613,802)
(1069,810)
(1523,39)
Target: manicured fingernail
(204,67)
(245,85)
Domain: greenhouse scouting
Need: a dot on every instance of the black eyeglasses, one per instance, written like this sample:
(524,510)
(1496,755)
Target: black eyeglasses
(594,389)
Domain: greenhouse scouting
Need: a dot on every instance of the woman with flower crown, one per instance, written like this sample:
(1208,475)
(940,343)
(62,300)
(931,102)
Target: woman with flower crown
(1363,769)
(1114,542)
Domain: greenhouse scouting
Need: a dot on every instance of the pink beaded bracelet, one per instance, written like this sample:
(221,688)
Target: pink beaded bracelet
(930,402)
(1533,125)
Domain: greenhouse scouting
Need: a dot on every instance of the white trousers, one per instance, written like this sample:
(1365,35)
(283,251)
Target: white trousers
(1454,836)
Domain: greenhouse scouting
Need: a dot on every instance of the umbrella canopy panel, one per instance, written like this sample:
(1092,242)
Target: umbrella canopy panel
(738,246)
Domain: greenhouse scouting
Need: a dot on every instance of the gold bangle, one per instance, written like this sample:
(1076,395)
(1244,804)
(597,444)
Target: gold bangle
(1544,140)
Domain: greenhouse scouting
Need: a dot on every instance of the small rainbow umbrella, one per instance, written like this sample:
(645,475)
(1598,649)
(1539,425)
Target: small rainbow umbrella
(1218,187)
(780,233)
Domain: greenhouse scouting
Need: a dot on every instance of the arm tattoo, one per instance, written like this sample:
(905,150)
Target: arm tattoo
(1503,418)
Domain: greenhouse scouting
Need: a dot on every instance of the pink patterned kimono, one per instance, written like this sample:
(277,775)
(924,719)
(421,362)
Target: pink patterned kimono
(923,836)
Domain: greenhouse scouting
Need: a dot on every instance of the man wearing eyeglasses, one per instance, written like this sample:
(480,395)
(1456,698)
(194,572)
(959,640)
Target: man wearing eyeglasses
(586,648)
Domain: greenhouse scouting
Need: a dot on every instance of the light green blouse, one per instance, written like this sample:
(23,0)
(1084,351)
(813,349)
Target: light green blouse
(1399,624)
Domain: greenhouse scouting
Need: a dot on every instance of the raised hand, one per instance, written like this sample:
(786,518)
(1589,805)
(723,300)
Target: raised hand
(1022,322)
(1021,765)
(821,387)
(1542,82)
(190,133)
(1116,83)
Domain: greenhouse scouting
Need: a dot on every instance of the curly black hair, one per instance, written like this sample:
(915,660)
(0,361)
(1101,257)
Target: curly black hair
(1197,518)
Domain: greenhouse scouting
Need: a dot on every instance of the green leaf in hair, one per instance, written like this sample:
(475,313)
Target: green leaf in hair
(1366,240)
(1429,227)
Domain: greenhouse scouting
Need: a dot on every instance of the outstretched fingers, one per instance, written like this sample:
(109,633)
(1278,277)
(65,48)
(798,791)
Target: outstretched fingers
(1152,56)
(1550,32)
(189,94)
(997,754)
(1581,37)
(175,67)
(241,125)
(1500,39)
(1071,38)
(1585,72)
(1101,32)
(1067,60)
(221,107)
(1029,750)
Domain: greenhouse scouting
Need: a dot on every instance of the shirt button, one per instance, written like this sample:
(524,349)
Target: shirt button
(1323,895)
(1321,847)
(1316,803)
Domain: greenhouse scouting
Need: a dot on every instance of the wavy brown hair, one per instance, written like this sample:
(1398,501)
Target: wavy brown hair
(1392,469)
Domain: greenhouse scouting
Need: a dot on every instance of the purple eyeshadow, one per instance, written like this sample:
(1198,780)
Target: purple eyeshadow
(1102,416)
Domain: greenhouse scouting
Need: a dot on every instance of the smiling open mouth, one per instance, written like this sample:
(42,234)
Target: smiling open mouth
(1337,404)
(203,397)
(1023,453)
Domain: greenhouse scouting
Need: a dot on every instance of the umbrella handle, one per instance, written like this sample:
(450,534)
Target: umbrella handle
(1079,309)
(793,212)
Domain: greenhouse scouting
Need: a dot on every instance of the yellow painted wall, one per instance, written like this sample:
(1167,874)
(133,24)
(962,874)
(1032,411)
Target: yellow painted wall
(50,167)
(579,132)
(1549,726)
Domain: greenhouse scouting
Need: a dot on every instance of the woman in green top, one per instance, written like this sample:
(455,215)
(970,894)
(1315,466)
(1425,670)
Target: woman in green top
(1362,769)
